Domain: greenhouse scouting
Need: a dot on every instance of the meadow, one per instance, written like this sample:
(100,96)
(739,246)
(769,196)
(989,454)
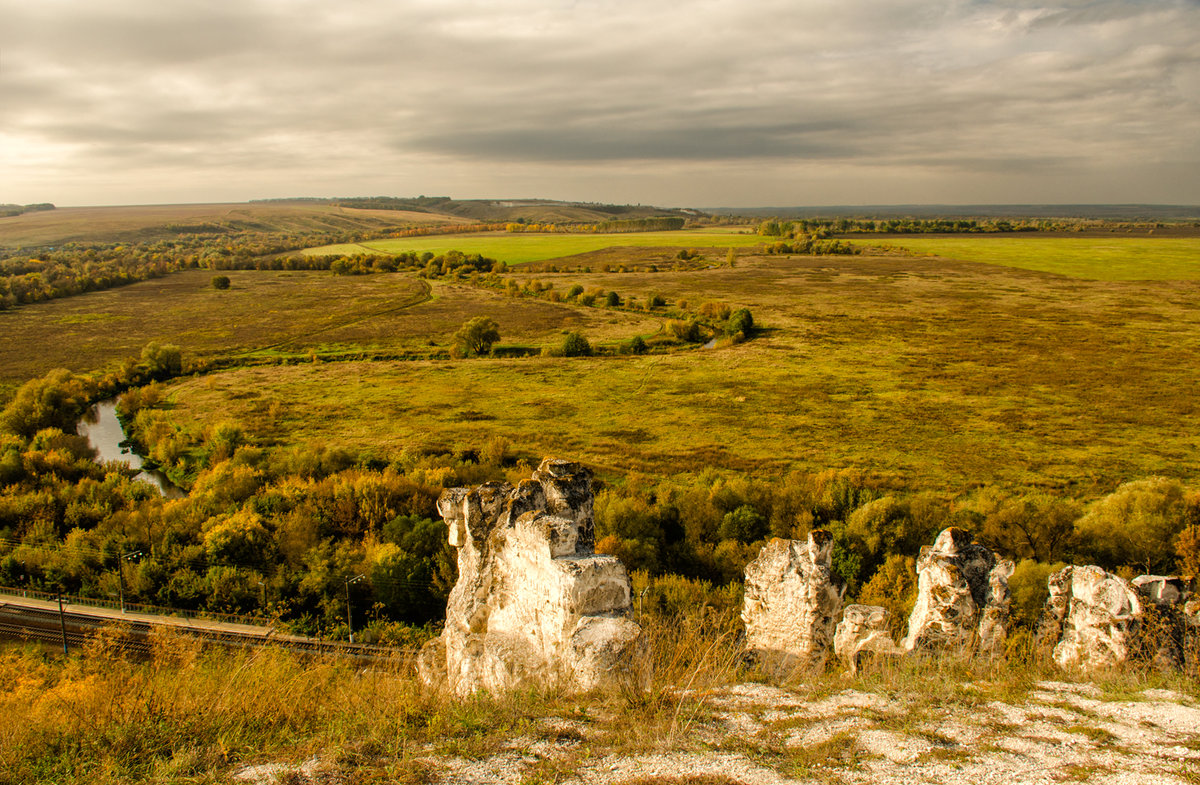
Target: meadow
(268,314)
(1110,258)
(145,222)
(519,248)
(939,374)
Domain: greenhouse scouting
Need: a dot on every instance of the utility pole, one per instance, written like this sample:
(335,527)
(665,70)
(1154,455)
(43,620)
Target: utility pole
(62,624)
(349,620)
(121,574)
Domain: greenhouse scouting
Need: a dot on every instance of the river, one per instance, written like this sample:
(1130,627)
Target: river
(103,431)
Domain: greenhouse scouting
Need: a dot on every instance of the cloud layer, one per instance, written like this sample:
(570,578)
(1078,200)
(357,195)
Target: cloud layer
(697,102)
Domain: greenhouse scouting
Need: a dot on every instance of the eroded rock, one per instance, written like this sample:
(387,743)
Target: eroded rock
(1099,614)
(792,602)
(864,630)
(533,604)
(962,597)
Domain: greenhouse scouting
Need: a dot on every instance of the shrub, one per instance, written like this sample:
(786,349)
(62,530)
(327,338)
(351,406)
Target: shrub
(636,345)
(477,335)
(612,300)
(684,330)
(716,311)
(740,321)
(744,524)
(575,345)
(220,282)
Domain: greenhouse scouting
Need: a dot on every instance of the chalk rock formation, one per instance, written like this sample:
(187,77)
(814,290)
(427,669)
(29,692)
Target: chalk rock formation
(791,603)
(1096,615)
(864,630)
(533,603)
(1162,634)
(1160,589)
(962,597)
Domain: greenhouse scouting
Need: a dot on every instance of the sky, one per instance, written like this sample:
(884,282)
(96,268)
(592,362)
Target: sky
(697,103)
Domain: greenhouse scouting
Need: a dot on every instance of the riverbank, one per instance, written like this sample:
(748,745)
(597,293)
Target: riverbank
(105,433)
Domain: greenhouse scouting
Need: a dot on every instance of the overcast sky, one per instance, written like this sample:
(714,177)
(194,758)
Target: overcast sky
(683,103)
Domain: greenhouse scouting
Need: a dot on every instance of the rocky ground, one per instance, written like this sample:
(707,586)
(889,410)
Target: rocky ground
(1047,732)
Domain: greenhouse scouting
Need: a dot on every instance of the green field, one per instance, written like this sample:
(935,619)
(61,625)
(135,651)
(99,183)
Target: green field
(1100,259)
(939,374)
(516,248)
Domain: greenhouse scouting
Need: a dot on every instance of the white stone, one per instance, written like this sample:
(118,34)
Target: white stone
(791,602)
(1100,618)
(863,630)
(962,597)
(533,603)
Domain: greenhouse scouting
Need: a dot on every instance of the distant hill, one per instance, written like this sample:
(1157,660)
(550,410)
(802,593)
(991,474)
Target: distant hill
(1106,212)
(154,222)
(500,210)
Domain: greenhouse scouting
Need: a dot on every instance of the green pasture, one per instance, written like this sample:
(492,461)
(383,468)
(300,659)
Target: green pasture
(515,248)
(1095,258)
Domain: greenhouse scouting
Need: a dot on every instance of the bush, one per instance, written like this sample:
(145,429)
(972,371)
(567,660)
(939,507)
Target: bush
(716,311)
(575,345)
(740,321)
(220,282)
(636,345)
(684,331)
(612,300)
(477,335)
(744,524)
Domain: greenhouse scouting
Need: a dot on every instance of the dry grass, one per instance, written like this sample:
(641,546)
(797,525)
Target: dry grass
(943,374)
(149,222)
(278,313)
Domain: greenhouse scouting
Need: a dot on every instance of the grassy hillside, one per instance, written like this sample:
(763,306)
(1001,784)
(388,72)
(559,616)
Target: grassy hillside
(153,222)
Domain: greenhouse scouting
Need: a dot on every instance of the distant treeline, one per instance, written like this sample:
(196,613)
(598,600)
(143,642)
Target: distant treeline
(9,210)
(77,268)
(807,226)
(652,224)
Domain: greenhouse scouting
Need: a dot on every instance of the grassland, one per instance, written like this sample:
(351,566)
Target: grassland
(1117,258)
(268,313)
(149,222)
(941,374)
(518,248)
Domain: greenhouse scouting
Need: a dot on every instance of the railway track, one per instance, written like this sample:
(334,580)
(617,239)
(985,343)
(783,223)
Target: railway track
(34,620)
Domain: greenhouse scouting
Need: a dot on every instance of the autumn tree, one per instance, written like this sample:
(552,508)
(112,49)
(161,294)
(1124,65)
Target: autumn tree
(477,335)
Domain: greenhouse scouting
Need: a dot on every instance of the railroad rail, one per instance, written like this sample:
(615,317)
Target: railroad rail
(29,619)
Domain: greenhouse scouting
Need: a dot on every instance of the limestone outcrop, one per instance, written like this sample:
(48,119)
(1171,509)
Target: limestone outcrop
(1162,634)
(962,597)
(533,604)
(863,630)
(1094,616)
(792,603)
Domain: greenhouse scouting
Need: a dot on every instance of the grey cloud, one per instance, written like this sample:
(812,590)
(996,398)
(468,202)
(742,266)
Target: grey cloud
(973,87)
